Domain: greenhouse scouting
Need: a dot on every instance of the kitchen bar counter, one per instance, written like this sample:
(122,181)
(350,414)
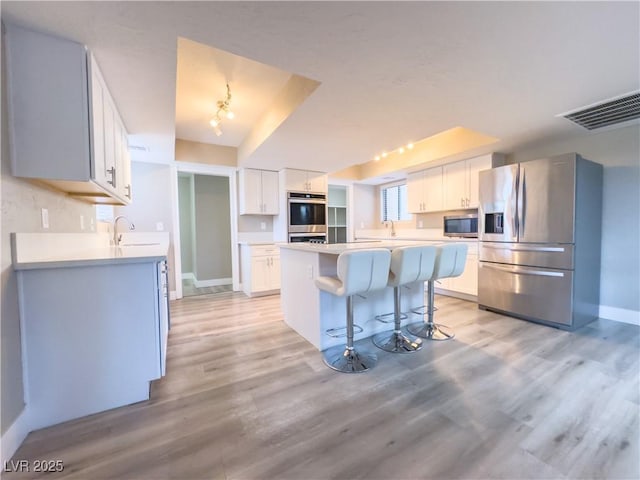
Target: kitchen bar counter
(311,311)
(338,248)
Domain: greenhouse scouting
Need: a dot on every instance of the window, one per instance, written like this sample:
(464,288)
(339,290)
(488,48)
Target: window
(393,201)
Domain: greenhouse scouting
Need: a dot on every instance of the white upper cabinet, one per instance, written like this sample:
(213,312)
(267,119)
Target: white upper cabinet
(461,180)
(415,192)
(474,167)
(450,187)
(63,125)
(258,192)
(305,181)
(424,191)
(456,185)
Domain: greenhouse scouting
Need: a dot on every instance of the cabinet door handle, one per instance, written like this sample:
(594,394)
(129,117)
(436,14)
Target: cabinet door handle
(461,202)
(128,194)
(112,172)
(468,202)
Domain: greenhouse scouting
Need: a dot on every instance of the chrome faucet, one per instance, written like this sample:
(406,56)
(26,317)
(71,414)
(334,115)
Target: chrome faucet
(118,238)
(393,228)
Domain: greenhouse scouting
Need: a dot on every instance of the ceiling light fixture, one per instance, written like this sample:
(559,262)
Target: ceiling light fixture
(223,109)
(400,150)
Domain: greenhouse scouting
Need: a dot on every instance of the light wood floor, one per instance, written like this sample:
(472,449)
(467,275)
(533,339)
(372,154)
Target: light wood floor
(247,398)
(189,289)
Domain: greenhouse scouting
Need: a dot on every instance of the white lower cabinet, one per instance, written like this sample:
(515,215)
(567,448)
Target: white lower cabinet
(260,269)
(467,282)
(94,337)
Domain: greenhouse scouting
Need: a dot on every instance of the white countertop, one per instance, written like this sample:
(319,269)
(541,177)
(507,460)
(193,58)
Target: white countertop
(427,234)
(51,250)
(257,242)
(338,248)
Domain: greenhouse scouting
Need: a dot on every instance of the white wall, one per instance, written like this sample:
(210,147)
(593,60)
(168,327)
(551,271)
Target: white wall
(21,204)
(212,257)
(619,151)
(365,207)
(185,199)
(151,203)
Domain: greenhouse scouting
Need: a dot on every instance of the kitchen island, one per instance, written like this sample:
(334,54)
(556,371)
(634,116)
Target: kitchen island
(311,311)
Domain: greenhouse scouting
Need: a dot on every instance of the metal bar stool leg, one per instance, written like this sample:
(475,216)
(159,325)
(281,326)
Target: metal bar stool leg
(396,342)
(428,329)
(347,359)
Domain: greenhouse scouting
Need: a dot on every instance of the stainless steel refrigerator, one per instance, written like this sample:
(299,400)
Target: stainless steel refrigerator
(539,226)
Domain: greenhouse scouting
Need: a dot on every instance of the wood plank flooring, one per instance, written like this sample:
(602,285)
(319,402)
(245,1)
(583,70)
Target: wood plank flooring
(189,289)
(245,397)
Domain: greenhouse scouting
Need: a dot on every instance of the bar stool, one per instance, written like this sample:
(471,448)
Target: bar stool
(359,272)
(450,261)
(408,265)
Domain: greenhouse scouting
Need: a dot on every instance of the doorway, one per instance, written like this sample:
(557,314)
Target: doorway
(205,233)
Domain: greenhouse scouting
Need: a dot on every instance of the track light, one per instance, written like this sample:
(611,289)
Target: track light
(223,108)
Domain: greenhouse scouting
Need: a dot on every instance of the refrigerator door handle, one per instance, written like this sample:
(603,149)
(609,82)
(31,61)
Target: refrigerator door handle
(521,200)
(518,248)
(523,203)
(523,271)
(515,193)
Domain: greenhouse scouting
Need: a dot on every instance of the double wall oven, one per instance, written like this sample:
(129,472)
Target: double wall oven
(307,213)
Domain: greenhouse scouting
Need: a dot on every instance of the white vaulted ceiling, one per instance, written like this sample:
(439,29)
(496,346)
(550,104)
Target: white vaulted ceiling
(389,72)
(202,75)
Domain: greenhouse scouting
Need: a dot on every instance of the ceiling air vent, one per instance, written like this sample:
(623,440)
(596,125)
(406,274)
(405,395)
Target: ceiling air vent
(606,113)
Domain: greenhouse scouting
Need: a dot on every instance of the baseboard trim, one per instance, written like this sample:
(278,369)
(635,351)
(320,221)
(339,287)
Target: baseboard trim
(189,276)
(460,295)
(214,282)
(622,315)
(14,436)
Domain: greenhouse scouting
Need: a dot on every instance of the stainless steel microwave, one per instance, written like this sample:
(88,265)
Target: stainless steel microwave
(461,226)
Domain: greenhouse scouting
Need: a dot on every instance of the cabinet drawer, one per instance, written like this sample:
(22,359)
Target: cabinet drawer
(264,250)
